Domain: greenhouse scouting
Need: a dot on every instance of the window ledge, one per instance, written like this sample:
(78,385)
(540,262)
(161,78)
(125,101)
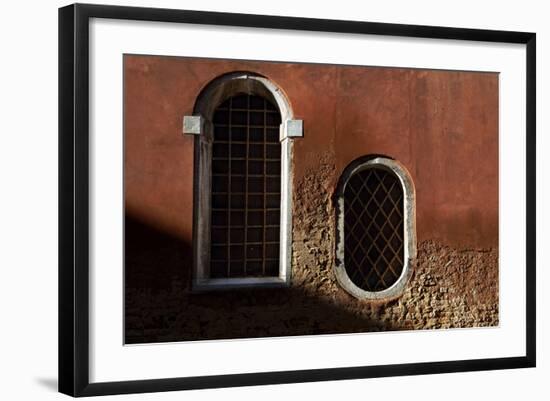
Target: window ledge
(217,284)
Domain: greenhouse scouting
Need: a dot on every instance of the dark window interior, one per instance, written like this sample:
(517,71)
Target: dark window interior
(373,226)
(246,189)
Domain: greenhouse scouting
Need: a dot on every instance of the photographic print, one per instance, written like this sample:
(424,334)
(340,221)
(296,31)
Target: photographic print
(252,214)
(268,199)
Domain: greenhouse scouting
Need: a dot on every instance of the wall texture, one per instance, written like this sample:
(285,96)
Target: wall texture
(442,125)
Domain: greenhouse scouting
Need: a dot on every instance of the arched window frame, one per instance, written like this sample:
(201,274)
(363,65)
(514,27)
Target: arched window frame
(200,124)
(409,227)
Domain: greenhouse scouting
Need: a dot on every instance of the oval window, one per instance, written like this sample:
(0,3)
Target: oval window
(376,239)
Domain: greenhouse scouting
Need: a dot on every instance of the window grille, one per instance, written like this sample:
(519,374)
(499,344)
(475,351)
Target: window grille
(246,189)
(374,228)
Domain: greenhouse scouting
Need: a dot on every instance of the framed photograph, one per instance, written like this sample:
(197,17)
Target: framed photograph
(251,199)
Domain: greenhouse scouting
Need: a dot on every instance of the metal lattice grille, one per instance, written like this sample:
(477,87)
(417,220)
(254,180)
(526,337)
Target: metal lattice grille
(373,224)
(246,189)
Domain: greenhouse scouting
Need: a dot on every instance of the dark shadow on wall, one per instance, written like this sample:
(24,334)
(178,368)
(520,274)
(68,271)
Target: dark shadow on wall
(153,259)
(159,306)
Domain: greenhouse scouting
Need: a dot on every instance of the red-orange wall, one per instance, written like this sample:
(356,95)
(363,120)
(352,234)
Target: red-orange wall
(442,125)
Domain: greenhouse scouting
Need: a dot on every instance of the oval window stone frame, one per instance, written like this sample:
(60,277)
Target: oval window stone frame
(409,227)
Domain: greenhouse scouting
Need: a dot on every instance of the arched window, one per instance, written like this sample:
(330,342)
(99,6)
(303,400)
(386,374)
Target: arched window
(246,189)
(376,239)
(242,232)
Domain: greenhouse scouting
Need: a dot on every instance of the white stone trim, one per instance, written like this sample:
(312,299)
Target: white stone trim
(211,96)
(240,282)
(291,129)
(409,226)
(192,125)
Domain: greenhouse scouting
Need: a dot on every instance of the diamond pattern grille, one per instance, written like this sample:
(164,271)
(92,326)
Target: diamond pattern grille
(373,226)
(246,189)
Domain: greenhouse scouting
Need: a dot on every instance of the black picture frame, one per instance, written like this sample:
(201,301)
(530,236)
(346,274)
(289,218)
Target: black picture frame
(74,192)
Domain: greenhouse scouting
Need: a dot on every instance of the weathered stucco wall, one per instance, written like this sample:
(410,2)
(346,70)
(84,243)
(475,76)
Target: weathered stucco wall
(443,126)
